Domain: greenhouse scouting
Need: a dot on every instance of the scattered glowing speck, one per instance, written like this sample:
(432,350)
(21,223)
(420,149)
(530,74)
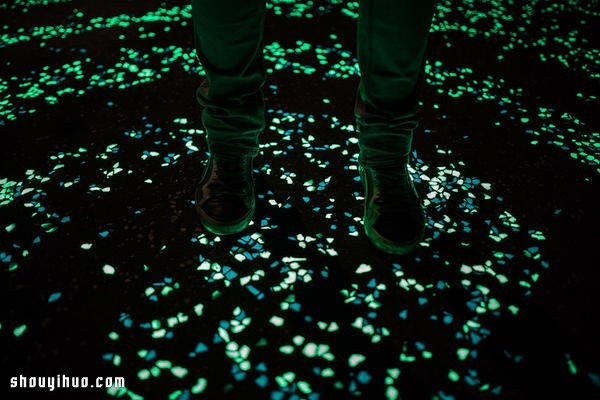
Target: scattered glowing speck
(108,269)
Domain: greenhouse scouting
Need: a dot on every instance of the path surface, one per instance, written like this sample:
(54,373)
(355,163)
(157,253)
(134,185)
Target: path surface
(106,271)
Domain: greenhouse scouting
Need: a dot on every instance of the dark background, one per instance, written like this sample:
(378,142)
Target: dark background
(510,100)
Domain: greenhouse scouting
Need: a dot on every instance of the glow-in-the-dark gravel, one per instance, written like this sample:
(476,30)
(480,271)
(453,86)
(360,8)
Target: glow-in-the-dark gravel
(97,203)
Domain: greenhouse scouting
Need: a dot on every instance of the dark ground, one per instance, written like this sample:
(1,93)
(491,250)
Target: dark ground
(106,271)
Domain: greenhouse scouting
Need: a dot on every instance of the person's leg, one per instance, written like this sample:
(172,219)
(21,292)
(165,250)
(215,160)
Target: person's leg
(228,38)
(392,37)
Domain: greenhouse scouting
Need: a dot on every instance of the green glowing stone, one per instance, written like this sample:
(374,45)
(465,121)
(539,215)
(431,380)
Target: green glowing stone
(199,386)
(179,372)
(493,304)
(462,353)
(391,393)
(310,350)
(143,374)
(298,340)
(363,268)
(289,376)
(572,367)
(19,330)
(304,387)
(453,375)
(355,359)
(108,269)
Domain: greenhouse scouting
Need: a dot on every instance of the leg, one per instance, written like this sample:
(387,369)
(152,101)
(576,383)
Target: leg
(392,37)
(228,38)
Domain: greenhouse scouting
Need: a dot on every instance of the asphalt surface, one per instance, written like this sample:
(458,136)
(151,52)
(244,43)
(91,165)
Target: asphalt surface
(106,271)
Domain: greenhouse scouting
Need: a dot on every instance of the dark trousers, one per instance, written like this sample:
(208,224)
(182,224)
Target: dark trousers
(392,36)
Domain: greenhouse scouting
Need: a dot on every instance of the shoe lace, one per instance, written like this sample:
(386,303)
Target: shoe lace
(231,173)
(394,188)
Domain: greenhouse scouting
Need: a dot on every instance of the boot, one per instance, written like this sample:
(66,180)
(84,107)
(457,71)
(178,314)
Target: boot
(393,218)
(225,195)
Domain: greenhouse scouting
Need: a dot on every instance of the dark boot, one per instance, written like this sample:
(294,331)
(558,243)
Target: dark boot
(225,195)
(393,219)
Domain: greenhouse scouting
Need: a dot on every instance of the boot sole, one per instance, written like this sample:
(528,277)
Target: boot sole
(387,246)
(380,242)
(224,228)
